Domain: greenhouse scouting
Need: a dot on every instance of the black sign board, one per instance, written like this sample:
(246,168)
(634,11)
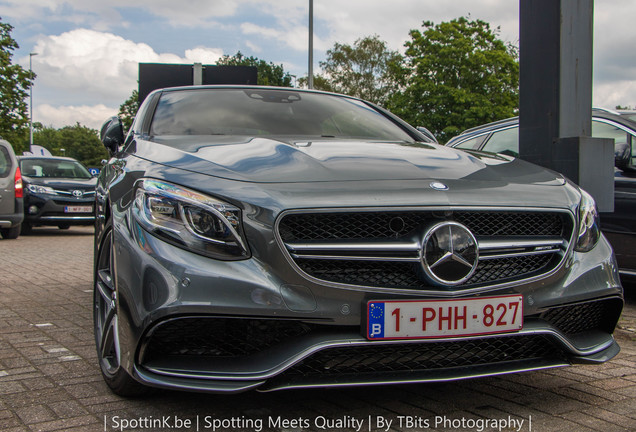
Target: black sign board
(154,76)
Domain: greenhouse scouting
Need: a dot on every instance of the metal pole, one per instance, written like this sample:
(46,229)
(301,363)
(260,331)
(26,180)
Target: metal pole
(31,103)
(310,78)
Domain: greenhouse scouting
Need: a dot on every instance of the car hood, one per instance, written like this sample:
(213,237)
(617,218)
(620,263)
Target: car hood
(261,160)
(62,183)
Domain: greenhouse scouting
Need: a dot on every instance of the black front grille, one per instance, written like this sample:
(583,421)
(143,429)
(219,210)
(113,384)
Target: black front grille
(378,225)
(416,357)
(512,223)
(581,317)
(505,269)
(396,226)
(219,337)
(367,273)
(362,225)
(391,274)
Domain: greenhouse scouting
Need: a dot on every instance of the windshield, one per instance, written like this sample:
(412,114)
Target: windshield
(56,168)
(263,112)
(629,115)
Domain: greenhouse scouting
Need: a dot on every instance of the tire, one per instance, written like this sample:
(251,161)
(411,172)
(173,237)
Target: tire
(105,323)
(10,233)
(26,228)
(63,226)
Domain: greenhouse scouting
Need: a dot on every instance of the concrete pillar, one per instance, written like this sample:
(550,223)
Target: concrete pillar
(555,106)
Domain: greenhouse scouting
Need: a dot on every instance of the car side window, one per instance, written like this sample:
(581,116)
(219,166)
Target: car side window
(605,130)
(5,162)
(504,141)
(472,143)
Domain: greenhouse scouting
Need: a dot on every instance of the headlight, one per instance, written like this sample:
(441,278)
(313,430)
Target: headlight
(37,189)
(190,220)
(589,225)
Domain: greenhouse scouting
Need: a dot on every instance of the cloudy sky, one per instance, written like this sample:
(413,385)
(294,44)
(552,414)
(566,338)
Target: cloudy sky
(89,50)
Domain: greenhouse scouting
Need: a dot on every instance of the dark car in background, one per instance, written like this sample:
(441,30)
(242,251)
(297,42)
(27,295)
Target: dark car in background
(628,114)
(11,213)
(267,238)
(58,191)
(618,226)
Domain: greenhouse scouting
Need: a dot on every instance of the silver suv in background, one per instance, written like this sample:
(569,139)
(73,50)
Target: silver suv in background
(11,206)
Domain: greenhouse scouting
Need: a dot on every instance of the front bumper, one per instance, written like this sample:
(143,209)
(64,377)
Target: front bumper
(341,357)
(193,323)
(52,210)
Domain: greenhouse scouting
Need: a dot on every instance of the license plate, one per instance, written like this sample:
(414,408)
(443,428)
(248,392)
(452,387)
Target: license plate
(78,209)
(421,319)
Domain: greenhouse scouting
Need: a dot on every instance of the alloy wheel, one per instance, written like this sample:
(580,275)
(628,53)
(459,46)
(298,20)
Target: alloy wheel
(105,311)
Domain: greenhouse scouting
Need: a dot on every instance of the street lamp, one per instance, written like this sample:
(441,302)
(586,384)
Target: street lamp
(310,78)
(31,102)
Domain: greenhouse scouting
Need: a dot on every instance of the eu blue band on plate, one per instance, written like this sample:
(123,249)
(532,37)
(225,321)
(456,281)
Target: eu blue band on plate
(376,320)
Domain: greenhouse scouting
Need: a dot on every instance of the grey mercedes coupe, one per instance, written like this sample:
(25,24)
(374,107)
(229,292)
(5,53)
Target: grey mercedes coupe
(267,238)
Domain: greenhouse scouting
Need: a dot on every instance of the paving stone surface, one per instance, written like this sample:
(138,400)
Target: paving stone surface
(50,381)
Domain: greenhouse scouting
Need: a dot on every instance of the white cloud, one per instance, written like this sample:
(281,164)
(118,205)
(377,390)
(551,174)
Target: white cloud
(255,48)
(83,73)
(253,29)
(102,67)
(84,67)
(611,94)
(203,55)
(60,116)
(102,15)
(27,9)
(188,13)
(614,65)
(297,38)
(82,13)
(351,20)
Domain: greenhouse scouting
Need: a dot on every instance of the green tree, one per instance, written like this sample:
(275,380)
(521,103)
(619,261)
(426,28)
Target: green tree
(364,70)
(15,82)
(128,110)
(48,138)
(269,74)
(79,142)
(320,83)
(457,75)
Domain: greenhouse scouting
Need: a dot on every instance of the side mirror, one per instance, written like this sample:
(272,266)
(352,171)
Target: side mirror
(428,134)
(112,134)
(623,157)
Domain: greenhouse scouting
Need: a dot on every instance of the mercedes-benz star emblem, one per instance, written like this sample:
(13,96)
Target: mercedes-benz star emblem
(449,253)
(438,186)
(78,193)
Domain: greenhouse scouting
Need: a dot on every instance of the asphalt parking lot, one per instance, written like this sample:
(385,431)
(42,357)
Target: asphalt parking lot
(49,379)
